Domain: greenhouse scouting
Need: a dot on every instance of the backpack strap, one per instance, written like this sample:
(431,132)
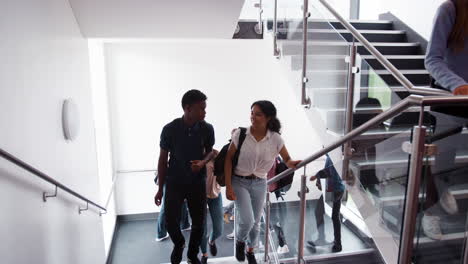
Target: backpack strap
(243,132)
(235,159)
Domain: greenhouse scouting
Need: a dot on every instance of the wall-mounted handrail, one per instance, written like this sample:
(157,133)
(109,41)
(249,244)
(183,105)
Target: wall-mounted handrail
(412,100)
(384,61)
(47,178)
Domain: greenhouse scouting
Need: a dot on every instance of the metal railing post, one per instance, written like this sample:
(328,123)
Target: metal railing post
(305,100)
(300,247)
(267,226)
(352,71)
(260,18)
(465,254)
(412,195)
(276,52)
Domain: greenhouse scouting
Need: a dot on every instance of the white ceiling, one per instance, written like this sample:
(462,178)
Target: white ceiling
(157,18)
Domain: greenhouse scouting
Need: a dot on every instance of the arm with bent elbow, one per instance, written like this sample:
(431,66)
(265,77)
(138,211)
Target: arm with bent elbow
(437,51)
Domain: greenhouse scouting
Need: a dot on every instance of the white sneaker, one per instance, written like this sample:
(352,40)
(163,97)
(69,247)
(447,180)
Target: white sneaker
(161,239)
(230,236)
(448,203)
(283,250)
(261,246)
(431,226)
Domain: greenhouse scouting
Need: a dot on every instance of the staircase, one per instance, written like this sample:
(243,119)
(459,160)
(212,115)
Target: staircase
(379,163)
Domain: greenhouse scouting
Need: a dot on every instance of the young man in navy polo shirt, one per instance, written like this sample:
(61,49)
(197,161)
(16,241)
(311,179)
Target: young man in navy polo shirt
(189,140)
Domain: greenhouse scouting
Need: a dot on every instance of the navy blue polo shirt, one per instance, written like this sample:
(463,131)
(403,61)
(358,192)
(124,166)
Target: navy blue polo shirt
(185,144)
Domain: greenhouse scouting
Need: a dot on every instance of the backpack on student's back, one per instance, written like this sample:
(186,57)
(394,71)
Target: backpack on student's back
(219,161)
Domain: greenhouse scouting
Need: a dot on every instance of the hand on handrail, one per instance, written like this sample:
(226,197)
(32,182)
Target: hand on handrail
(461,90)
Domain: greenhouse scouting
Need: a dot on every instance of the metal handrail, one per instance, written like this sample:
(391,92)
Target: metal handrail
(412,100)
(134,171)
(384,61)
(111,191)
(47,178)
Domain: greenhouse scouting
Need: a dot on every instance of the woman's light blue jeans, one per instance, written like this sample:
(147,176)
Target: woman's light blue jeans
(250,201)
(215,206)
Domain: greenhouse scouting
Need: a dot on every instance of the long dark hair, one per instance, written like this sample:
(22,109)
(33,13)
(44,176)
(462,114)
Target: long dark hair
(269,109)
(459,32)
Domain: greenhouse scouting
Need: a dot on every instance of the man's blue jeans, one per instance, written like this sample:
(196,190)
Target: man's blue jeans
(161,224)
(216,212)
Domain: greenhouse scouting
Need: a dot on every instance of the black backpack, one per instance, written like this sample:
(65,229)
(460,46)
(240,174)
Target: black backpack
(219,161)
(284,184)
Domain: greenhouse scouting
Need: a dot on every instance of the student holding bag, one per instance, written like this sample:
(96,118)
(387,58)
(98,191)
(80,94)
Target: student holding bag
(246,183)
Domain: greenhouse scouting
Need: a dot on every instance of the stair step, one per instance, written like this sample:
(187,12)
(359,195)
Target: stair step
(335,117)
(294,47)
(340,34)
(337,62)
(398,163)
(336,97)
(338,78)
(321,23)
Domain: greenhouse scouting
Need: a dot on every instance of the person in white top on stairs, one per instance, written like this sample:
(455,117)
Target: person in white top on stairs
(246,184)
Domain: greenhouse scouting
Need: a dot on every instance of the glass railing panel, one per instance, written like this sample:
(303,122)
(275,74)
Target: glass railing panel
(441,225)
(285,215)
(326,72)
(376,182)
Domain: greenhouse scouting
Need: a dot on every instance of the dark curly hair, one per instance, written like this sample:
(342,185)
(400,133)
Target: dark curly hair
(269,109)
(192,97)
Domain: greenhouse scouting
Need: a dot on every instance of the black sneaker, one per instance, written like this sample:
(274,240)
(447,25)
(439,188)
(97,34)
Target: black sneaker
(176,255)
(311,246)
(240,251)
(336,247)
(213,248)
(193,260)
(251,258)
(204,260)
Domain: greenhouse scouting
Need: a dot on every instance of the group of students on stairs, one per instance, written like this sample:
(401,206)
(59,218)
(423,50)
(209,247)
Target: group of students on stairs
(188,177)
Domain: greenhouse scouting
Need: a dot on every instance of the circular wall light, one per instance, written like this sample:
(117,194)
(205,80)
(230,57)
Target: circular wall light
(70,119)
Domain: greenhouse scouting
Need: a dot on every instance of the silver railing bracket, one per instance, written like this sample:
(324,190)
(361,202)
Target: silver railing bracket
(83,209)
(406,147)
(429,149)
(307,103)
(46,195)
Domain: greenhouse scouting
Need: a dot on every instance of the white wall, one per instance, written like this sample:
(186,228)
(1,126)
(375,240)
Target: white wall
(103,137)
(44,61)
(417,14)
(147,81)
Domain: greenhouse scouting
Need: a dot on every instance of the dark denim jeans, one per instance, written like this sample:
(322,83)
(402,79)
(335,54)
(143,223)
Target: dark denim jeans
(161,223)
(320,212)
(195,194)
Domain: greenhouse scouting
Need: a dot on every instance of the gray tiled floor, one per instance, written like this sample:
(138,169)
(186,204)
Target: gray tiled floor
(134,242)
